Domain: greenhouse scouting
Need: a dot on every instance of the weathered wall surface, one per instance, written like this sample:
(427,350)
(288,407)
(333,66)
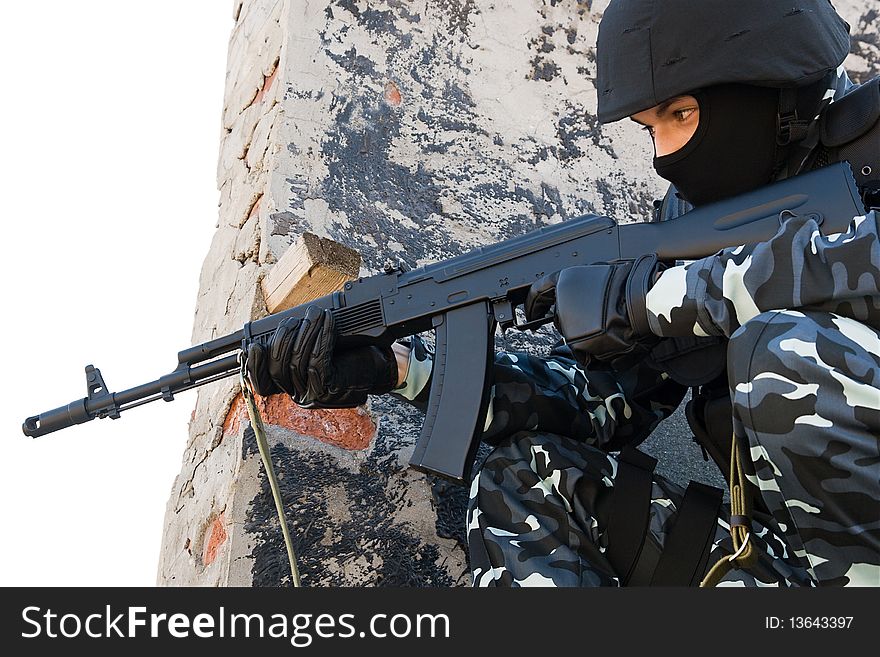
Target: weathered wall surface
(405,129)
(864,19)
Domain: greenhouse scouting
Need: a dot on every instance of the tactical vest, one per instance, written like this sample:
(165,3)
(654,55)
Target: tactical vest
(849,130)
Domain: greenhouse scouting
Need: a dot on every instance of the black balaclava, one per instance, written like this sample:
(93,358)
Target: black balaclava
(734,148)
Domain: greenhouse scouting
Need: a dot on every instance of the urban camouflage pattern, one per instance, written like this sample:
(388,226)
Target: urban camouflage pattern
(609,409)
(539,510)
(539,506)
(798,268)
(414,387)
(806,407)
(805,386)
(805,383)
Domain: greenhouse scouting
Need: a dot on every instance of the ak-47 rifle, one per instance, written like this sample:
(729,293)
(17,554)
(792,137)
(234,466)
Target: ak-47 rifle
(466,298)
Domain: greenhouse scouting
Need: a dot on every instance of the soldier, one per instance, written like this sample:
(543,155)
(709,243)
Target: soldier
(779,341)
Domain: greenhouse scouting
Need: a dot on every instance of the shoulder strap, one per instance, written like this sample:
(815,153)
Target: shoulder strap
(628,523)
(790,128)
(852,116)
(850,131)
(686,550)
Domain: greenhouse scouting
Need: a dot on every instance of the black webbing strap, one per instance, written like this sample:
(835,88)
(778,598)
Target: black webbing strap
(628,521)
(790,128)
(686,549)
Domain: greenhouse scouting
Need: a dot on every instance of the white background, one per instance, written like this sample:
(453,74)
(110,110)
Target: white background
(110,119)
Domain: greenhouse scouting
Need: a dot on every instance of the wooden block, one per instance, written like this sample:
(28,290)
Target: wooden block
(311,268)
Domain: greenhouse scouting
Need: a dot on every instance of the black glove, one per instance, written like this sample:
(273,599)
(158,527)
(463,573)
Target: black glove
(600,309)
(302,361)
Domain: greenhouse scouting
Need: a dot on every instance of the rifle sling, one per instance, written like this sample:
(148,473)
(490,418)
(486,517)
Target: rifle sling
(686,550)
(628,523)
(639,562)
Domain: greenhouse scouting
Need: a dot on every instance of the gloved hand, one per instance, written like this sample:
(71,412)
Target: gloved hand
(302,361)
(599,309)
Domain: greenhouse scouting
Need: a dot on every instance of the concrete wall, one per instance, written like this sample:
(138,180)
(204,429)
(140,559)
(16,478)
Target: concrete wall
(406,129)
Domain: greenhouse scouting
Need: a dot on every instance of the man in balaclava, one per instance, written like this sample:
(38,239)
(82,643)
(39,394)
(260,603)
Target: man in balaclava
(779,341)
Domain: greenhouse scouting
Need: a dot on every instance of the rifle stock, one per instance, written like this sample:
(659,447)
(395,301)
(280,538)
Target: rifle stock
(464,300)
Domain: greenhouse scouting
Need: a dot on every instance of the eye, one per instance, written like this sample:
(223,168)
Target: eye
(684,114)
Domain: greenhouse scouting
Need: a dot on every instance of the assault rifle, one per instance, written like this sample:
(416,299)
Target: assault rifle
(466,298)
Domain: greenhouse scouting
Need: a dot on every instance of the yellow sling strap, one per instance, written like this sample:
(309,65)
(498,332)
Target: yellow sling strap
(263,445)
(744,554)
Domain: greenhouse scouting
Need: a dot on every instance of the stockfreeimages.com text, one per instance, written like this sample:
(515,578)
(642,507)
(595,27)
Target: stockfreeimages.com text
(299,629)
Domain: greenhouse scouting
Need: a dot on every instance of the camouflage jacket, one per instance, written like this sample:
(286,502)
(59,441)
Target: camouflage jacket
(799,268)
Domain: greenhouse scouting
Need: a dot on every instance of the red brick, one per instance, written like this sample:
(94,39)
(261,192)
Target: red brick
(237,413)
(392,94)
(255,207)
(216,537)
(349,428)
(267,84)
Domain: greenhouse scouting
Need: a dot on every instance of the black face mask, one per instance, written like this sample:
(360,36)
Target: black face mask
(734,148)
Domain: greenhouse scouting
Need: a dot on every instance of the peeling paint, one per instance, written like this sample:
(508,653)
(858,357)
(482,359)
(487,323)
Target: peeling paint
(283,223)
